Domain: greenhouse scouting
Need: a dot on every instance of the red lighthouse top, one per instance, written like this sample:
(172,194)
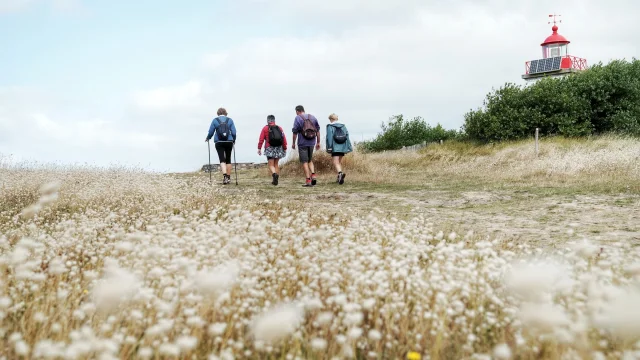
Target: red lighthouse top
(555,60)
(555,38)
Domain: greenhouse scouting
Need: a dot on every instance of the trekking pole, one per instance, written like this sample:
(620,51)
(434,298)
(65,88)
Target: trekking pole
(235,163)
(209,147)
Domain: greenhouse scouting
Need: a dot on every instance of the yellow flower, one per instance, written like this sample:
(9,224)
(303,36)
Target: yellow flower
(412,355)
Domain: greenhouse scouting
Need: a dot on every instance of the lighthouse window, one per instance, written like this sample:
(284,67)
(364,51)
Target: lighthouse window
(554,51)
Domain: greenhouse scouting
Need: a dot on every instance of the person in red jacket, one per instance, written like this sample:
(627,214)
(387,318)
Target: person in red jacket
(275,146)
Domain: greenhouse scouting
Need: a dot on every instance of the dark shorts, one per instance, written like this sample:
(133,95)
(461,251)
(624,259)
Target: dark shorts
(337,154)
(306,153)
(224,151)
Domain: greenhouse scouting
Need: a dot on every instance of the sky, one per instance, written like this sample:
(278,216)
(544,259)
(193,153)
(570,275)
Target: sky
(137,83)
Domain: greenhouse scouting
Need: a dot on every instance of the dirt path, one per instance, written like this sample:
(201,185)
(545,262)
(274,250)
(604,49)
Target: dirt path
(544,216)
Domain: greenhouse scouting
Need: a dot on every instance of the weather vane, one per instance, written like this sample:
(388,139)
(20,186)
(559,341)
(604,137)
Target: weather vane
(554,18)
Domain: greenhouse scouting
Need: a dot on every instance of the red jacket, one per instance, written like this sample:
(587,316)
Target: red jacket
(264,135)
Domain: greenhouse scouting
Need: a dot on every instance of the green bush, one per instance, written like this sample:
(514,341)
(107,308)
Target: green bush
(602,99)
(399,132)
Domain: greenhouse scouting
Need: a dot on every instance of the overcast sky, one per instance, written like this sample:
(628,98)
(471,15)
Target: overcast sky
(138,82)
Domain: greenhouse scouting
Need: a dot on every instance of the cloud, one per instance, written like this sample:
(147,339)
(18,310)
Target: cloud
(364,60)
(185,96)
(65,6)
(33,128)
(7,6)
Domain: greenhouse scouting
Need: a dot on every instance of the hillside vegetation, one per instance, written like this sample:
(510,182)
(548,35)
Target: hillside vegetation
(605,99)
(609,163)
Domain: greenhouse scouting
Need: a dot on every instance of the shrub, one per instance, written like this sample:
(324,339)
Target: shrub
(605,98)
(323,164)
(400,132)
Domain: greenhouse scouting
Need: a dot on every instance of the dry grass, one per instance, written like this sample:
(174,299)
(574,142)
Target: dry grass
(356,163)
(601,161)
(123,264)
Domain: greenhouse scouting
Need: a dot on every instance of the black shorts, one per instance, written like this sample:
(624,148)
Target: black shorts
(306,153)
(337,154)
(224,151)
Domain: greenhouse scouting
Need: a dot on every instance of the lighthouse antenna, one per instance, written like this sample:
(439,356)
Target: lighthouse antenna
(554,19)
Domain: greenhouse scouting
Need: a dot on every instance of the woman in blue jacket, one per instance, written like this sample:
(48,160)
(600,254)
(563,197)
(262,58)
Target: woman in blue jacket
(338,144)
(225,138)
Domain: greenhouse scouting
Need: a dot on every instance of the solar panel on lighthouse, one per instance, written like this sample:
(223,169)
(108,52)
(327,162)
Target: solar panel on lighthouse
(545,65)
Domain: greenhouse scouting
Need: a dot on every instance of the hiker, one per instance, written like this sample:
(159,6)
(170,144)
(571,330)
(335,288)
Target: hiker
(306,125)
(275,146)
(338,144)
(224,140)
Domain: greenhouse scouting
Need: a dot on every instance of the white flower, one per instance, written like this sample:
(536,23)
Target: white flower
(169,349)
(374,335)
(217,329)
(277,323)
(502,352)
(318,344)
(187,343)
(533,280)
(117,287)
(324,318)
(544,317)
(217,281)
(145,352)
(355,333)
(21,348)
(50,188)
(124,246)
(368,304)
(30,211)
(622,315)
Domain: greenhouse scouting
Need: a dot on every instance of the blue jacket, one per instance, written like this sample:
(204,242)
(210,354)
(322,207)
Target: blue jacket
(333,146)
(214,126)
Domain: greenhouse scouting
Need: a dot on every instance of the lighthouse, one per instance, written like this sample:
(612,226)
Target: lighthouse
(555,61)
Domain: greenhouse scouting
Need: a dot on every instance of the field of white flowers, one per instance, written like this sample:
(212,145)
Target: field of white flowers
(122,264)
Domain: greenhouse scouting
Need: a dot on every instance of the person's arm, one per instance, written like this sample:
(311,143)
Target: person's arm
(284,140)
(233,131)
(317,135)
(329,140)
(295,131)
(261,141)
(212,128)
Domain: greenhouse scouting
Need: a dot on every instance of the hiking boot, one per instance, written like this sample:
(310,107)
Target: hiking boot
(338,179)
(341,178)
(308,183)
(226,180)
(275,179)
(313,181)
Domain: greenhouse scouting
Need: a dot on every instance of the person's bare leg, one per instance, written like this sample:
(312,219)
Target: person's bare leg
(276,166)
(307,172)
(272,165)
(223,169)
(337,164)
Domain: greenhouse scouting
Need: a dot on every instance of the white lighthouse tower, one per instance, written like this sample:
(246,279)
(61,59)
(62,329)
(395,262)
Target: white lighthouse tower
(556,61)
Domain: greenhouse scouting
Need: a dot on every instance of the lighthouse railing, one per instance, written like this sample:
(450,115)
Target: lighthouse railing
(578,63)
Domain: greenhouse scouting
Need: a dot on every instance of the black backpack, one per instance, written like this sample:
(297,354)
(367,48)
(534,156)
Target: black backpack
(223,130)
(339,136)
(275,136)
